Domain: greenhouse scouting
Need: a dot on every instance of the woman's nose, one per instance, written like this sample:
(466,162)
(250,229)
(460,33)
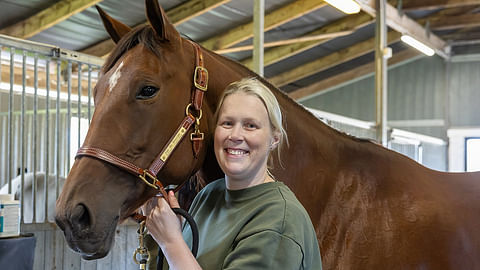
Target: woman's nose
(236,133)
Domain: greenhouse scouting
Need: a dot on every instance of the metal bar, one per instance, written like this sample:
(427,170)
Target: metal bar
(381,73)
(10,120)
(49,50)
(258,34)
(89,93)
(47,138)
(35,108)
(79,104)
(22,138)
(57,129)
(69,113)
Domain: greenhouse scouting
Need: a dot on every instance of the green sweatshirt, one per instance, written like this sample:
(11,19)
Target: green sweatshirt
(261,227)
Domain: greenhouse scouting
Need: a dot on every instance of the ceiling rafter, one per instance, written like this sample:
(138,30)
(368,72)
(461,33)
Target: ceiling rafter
(344,55)
(331,60)
(273,19)
(176,15)
(403,24)
(47,18)
(456,22)
(408,5)
(347,76)
(349,23)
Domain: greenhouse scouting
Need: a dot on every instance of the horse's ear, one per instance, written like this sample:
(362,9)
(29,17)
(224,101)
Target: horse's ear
(158,20)
(115,28)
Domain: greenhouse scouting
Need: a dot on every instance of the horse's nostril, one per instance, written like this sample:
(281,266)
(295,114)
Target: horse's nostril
(80,217)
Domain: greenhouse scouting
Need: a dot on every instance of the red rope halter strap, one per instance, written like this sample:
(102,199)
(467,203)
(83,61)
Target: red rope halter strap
(149,176)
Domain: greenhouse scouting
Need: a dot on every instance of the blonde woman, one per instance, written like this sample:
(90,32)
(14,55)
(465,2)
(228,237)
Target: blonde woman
(246,220)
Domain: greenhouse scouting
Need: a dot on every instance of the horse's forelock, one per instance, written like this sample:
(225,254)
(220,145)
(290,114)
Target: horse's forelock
(143,34)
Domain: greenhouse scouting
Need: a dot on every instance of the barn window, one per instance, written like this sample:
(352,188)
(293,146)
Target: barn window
(472,154)
(464,149)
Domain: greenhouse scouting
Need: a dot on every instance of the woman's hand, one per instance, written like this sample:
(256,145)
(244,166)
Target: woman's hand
(162,223)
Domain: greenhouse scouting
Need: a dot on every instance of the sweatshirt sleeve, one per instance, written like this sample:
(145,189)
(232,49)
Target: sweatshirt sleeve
(265,250)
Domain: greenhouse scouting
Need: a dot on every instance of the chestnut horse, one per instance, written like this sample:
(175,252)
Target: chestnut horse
(372,208)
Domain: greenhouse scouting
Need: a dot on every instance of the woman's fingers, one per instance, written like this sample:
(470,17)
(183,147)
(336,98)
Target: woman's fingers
(173,200)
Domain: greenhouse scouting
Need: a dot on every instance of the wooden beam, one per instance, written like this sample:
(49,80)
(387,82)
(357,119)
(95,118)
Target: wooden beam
(273,19)
(409,5)
(286,42)
(41,75)
(176,15)
(349,23)
(456,22)
(350,75)
(47,18)
(342,56)
(330,60)
(403,24)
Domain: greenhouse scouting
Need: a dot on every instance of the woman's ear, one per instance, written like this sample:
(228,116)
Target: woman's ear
(275,140)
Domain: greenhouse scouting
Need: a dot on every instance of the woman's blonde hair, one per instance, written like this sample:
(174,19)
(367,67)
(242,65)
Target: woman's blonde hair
(252,86)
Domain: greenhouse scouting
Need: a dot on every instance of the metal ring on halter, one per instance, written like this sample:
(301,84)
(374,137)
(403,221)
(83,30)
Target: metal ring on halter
(188,108)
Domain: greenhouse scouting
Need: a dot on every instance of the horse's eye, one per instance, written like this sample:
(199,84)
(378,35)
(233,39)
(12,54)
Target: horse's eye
(147,92)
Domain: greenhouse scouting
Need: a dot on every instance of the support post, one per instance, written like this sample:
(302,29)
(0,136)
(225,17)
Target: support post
(381,72)
(258,26)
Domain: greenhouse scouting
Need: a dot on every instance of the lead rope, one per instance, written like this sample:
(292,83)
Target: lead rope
(141,256)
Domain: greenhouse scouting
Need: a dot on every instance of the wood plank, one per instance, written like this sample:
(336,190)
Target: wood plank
(71,259)
(455,22)
(39,259)
(119,249)
(47,18)
(330,60)
(176,15)
(403,24)
(350,75)
(131,245)
(273,19)
(88,265)
(409,5)
(349,23)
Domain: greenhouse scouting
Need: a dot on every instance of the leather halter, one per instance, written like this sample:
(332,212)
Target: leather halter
(149,176)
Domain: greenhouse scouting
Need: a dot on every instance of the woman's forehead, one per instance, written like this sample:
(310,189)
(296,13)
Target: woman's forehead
(247,105)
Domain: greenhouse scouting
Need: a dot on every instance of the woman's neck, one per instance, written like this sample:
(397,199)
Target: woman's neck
(233,183)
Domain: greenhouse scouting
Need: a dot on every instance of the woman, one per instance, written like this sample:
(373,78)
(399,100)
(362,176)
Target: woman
(246,220)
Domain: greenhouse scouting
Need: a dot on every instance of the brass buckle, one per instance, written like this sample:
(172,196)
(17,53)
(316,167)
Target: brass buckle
(196,136)
(146,174)
(195,76)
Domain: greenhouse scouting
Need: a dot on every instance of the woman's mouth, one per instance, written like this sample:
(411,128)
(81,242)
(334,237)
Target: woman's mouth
(236,152)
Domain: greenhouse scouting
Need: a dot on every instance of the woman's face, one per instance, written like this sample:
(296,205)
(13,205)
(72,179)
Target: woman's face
(243,137)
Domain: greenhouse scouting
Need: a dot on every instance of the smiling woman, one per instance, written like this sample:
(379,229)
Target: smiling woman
(259,222)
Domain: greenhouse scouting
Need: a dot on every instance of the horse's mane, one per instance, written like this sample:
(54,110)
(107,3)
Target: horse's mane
(286,97)
(142,34)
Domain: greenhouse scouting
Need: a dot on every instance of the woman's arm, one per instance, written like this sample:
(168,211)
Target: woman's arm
(165,228)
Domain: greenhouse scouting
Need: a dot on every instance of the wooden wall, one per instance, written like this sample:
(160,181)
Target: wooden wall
(53,253)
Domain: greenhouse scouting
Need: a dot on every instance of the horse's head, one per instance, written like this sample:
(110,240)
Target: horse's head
(140,101)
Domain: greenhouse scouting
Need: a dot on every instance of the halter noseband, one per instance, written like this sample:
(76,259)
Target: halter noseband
(149,176)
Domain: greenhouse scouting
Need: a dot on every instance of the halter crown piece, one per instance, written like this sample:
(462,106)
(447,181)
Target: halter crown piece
(193,114)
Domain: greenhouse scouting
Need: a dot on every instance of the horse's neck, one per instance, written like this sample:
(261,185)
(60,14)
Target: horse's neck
(311,142)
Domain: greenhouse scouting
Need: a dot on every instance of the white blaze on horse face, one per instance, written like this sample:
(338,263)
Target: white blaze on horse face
(114,78)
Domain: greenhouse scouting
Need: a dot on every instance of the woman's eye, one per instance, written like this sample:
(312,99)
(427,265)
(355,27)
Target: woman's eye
(226,124)
(251,126)
(147,92)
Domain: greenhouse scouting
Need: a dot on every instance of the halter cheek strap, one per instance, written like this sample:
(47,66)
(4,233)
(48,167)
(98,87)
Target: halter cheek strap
(192,117)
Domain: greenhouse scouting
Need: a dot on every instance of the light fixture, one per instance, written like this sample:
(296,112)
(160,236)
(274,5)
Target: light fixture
(418,45)
(346,6)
